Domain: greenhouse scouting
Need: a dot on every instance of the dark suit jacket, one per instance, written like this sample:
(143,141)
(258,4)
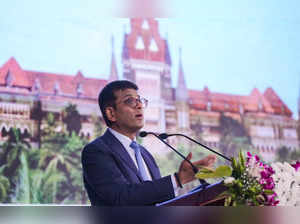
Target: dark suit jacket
(111,177)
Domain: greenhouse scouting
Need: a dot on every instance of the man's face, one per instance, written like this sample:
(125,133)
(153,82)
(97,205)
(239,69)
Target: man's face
(128,113)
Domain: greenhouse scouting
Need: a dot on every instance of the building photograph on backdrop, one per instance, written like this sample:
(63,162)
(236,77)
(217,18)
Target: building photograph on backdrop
(229,78)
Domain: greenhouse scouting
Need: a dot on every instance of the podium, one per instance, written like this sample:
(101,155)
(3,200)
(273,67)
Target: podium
(208,196)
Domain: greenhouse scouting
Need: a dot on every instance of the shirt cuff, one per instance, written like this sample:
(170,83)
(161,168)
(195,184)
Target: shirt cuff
(175,187)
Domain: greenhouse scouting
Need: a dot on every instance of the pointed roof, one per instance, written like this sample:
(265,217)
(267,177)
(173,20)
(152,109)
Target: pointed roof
(125,52)
(277,104)
(142,43)
(270,102)
(255,93)
(182,91)
(46,82)
(258,101)
(78,77)
(113,66)
(12,68)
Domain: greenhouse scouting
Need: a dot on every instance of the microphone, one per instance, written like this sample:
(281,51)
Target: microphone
(165,136)
(143,134)
(195,169)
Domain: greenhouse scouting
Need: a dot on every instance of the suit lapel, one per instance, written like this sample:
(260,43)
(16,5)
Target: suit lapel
(118,149)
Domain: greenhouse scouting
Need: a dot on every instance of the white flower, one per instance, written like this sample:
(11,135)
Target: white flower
(253,168)
(287,184)
(229,180)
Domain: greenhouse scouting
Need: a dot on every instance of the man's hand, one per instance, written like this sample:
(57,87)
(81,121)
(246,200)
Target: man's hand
(186,173)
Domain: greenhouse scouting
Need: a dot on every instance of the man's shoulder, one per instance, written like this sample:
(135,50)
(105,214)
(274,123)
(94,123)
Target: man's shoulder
(97,144)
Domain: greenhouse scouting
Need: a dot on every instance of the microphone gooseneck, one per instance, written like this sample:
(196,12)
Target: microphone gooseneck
(195,169)
(165,136)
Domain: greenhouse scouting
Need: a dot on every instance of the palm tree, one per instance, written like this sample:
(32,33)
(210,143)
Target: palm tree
(234,137)
(63,157)
(35,185)
(4,186)
(71,118)
(37,114)
(62,152)
(10,156)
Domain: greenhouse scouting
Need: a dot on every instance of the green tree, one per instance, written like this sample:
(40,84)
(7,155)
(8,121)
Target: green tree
(284,154)
(35,185)
(51,174)
(295,155)
(196,126)
(4,186)
(72,119)
(98,124)
(234,137)
(37,115)
(61,153)
(170,163)
(10,157)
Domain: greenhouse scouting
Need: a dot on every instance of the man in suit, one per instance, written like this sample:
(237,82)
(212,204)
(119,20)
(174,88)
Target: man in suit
(118,171)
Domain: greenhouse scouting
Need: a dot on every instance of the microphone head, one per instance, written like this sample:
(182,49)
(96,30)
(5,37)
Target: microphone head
(163,135)
(143,134)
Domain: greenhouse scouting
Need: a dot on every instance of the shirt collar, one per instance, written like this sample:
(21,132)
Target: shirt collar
(126,141)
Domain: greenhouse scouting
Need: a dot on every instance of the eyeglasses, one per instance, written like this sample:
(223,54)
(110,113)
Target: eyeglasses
(133,102)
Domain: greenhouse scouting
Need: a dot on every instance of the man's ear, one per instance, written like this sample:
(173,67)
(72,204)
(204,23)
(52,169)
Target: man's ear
(110,113)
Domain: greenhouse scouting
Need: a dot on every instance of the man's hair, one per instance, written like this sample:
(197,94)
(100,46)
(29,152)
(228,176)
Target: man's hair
(107,96)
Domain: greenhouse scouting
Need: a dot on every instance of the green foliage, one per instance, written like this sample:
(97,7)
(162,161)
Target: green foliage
(71,118)
(196,126)
(171,161)
(244,187)
(35,185)
(37,114)
(64,159)
(4,185)
(10,159)
(284,154)
(24,178)
(98,123)
(51,174)
(234,137)
(238,166)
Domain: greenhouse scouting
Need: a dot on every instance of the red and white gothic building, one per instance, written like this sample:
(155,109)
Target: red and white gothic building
(146,61)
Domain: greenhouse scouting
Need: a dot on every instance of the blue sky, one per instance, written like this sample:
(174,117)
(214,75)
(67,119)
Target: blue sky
(229,46)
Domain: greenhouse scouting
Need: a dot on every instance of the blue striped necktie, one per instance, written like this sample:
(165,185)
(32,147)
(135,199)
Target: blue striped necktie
(139,159)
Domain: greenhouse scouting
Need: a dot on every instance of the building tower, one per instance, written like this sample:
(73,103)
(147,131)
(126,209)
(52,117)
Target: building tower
(298,125)
(182,99)
(146,61)
(113,75)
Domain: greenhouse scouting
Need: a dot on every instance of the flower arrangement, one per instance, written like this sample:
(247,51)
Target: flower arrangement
(251,182)
(287,183)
